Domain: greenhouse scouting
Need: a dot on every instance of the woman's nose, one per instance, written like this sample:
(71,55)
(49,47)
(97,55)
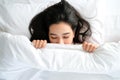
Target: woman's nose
(60,41)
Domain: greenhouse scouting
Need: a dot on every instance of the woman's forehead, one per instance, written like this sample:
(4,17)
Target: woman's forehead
(60,26)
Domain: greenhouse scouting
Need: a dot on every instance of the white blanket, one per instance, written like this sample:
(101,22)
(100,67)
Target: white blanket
(19,60)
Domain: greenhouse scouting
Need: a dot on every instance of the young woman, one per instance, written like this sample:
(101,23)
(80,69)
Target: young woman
(61,24)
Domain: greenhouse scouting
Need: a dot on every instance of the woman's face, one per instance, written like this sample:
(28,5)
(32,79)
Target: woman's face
(61,33)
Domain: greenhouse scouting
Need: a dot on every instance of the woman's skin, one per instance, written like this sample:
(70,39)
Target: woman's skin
(61,33)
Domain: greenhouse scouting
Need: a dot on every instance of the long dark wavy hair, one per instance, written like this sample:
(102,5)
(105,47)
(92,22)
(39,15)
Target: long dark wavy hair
(59,12)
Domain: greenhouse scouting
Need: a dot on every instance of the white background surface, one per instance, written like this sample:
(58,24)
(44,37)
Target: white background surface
(109,15)
(15,15)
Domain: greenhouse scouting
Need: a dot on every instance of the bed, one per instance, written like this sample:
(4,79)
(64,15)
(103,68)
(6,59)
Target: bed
(19,60)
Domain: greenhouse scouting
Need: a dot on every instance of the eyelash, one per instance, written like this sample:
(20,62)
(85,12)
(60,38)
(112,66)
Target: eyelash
(54,37)
(65,37)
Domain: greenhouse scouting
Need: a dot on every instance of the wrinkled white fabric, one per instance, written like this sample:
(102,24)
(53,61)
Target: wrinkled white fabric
(19,60)
(108,12)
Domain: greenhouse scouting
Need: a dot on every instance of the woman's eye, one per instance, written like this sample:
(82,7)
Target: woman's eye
(65,37)
(54,37)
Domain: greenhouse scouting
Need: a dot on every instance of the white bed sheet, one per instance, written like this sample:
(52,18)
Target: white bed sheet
(19,60)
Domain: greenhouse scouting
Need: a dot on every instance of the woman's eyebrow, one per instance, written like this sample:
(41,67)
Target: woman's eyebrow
(66,33)
(62,34)
(53,34)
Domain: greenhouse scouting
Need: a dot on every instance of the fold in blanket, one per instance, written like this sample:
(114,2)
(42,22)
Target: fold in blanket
(17,55)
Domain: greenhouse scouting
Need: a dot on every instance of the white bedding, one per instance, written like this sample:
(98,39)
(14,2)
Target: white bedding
(19,60)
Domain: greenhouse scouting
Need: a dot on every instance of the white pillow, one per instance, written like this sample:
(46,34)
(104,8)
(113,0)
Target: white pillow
(15,15)
(109,15)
